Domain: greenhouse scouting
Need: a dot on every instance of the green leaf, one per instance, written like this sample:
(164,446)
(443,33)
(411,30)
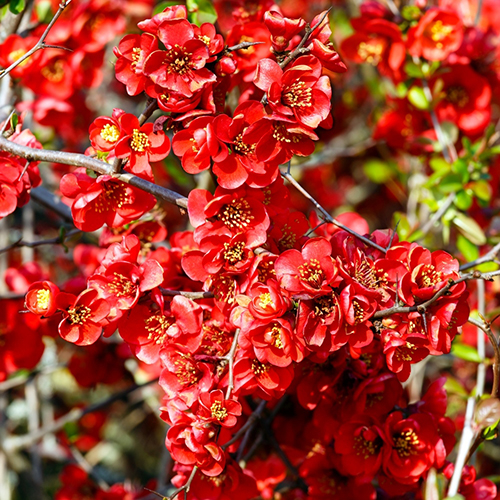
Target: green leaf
(450,132)
(466,352)
(450,183)
(461,167)
(14,120)
(403,226)
(416,96)
(467,249)
(378,171)
(413,70)
(439,164)
(3,3)
(463,200)
(469,228)
(44,11)
(163,5)
(487,267)
(453,386)
(201,11)
(482,190)
(16,6)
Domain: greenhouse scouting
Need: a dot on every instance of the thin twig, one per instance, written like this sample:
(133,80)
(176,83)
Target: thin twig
(189,295)
(439,213)
(242,46)
(41,42)
(327,216)
(20,442)
(252,419)
(487,257)
(478,12)
(475,275)
(230,359)
(33,244)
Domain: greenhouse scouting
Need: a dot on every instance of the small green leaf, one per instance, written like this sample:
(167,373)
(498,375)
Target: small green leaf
(490,432)
(482,190)
(16,6)
(450,132)
(416,96)
(378,171)
(470,229)
(453,386)
(467,249)
(14,120)
(466,352)
(439,164)
(44,11)
(201,11)
(463,200)
(458,496)
(413,70)
(163,5)
(450,183)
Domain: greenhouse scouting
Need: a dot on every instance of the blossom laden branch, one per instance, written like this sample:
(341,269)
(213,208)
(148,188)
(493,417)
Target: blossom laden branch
(41,42)
(60,240)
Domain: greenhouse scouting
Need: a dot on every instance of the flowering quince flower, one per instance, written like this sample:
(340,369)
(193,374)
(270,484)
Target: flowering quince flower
(299,92)
(360,444)
(198,145)
(150,326)
(309,273)
(282,29)
(466,99)
(83,316)
(377,42)
(122,283)
(181,67)
(41,298)
(13,48)
(438,33)
(131,53)
(209,36)
(105,131)
(104,200)
(172,12)
(471,488)
(215,408)
(141,145)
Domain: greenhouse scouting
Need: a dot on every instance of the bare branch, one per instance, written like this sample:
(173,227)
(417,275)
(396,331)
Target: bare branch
(230,359)
(242,46)
(189,295)
(33,244)
(327,216)
(101,167)
(487,257)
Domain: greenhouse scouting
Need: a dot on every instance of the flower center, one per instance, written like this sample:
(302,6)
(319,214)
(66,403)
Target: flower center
(218,411)
(323,306)
(139,141)
(241,147)
(42,298)
(276,335)
(312,273)
(54,72)
(234,253)
(405,443)
(430,277)
(440,31)
(456,94)
(178,61)
(110,133)
(185,371)
(236,214)
(121,286)
(259,368)
(265,300)
(298,95)
(156,327)
(79,315)
(371,52)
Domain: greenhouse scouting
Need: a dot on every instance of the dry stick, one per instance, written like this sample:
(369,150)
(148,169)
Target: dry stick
(478,12)
(19,442)
(440,212)
(487,257)
(481,348)
(22,379)
(41,42)
(52,202)
(101,167)
(82,462)
(230,359)
(34,244)
(189,295)
(242,46)
(326,215)
(421,308)
(184,488)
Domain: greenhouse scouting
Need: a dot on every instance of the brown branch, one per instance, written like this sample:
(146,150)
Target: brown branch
(33,244)
(298,51)
(230,359)
(20,442)
(52,202)
(420,308)
(242,46)
(41,42)
(326,215)
(252,419)
(487,257)
(184,488)
(189,295)
(101,167)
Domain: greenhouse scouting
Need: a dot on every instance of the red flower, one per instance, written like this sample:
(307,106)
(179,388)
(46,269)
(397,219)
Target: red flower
(105,132)
(282,29)
(215,408)
(179,68)
(141,145)
(438,33)
(41,298)
(84,316)
(131,52)
(299,92)
(104,200)
(309,273)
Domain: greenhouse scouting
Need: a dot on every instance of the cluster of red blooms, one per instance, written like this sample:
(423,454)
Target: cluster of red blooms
(462,87)
(248,307)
